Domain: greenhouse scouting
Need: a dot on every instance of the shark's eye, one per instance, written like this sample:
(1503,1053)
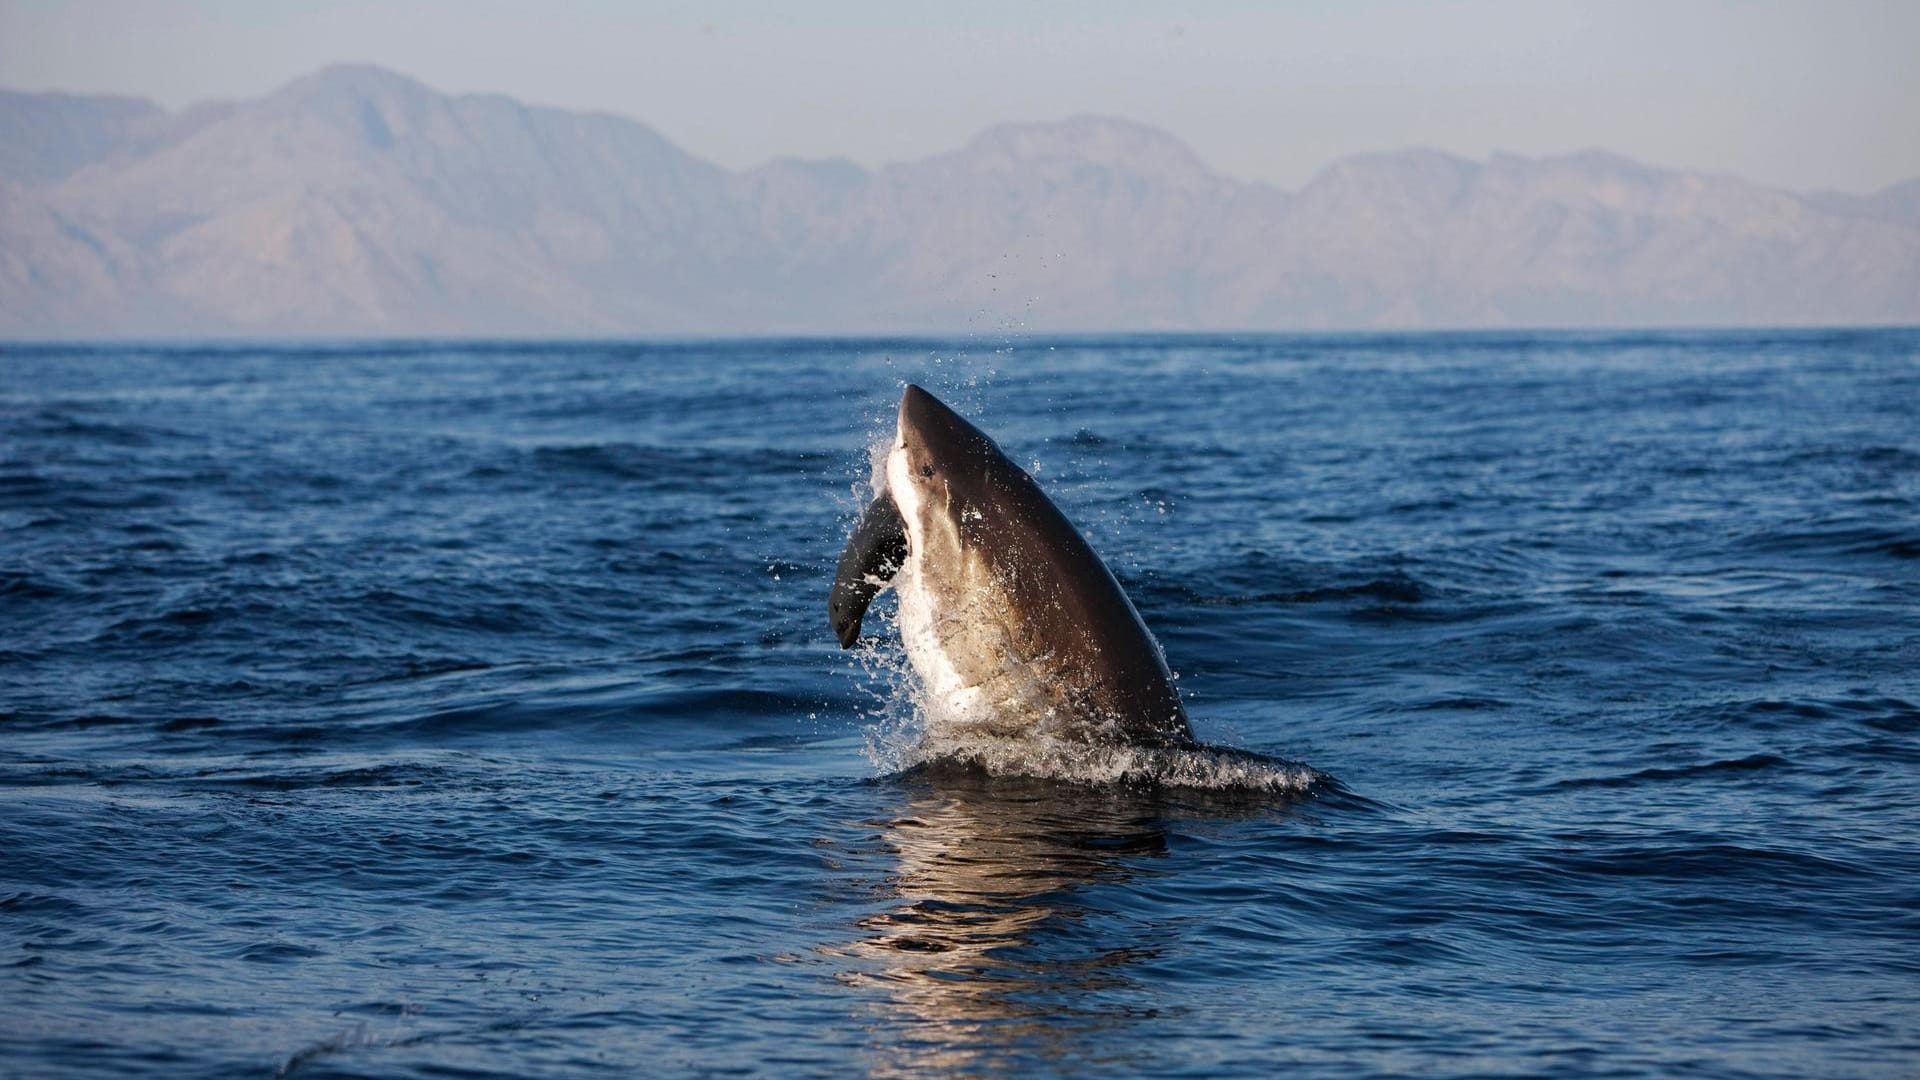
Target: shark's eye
(926,470)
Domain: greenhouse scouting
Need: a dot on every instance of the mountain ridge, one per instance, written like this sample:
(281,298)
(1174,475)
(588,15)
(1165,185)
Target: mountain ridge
(357,201)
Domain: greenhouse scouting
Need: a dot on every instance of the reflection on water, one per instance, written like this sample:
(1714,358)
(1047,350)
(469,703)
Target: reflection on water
(1016,918)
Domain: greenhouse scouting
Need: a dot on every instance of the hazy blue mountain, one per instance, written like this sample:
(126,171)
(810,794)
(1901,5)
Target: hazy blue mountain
(1899,203)
(48,137)
(1421,239)
(359,202)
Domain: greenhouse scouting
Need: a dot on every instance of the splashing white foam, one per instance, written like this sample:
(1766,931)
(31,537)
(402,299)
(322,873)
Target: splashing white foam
(1202,767)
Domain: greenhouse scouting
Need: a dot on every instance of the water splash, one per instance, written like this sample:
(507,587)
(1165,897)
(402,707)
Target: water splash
(1210,768)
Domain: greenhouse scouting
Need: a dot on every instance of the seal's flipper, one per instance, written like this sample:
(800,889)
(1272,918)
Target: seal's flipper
(875,552)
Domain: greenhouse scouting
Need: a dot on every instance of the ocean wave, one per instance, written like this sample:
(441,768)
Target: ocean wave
(1732,767)
(1844,536)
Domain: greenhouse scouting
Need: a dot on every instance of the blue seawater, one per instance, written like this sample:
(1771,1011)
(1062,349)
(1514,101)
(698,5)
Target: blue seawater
(469,709)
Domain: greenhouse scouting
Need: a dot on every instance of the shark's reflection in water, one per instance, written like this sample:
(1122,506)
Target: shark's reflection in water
(1019,921)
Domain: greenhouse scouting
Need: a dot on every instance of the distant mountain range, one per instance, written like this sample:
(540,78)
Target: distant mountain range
(357,202)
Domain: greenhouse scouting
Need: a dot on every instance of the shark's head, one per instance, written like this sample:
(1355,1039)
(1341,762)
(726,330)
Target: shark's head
(933,448)
(934,443)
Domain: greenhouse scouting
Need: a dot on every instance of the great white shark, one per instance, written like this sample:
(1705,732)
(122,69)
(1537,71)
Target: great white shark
(1012,623)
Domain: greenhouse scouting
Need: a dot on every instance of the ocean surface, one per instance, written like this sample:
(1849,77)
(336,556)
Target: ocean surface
(437,710)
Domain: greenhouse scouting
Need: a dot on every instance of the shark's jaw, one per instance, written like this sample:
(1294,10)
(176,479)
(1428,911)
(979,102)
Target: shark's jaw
(924,605)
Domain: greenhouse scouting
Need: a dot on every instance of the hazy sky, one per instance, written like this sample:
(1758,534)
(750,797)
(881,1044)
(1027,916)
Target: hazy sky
(1801,95)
